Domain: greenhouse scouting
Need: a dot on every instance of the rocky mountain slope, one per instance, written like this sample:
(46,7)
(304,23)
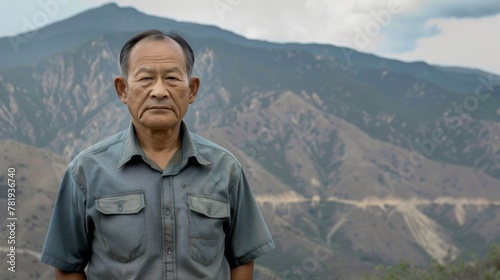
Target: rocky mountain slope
(355,160)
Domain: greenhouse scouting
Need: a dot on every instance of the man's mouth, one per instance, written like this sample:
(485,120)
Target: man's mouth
(159,108)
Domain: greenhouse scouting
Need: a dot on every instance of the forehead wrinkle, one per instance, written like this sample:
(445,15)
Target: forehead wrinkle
(162,66)
(165,50)
(157,70)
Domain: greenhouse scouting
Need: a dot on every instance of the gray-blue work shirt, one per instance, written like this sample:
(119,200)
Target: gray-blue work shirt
(125,218)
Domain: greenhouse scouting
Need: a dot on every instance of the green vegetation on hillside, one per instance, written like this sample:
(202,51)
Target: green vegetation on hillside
(484,269)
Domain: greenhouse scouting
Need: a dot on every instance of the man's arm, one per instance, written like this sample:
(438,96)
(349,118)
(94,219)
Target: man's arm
(242,272)
(70,275)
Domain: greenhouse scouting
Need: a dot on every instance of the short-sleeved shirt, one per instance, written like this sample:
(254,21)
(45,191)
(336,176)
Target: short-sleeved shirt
(123,217)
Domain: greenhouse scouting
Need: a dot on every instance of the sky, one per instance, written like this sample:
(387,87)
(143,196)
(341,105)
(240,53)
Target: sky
(462,33)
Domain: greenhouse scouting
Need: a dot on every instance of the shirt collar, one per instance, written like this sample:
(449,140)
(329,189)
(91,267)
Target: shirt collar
(131,147)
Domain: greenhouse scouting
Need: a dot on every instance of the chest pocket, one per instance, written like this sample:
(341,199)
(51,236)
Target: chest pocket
(206,227)
(121,224)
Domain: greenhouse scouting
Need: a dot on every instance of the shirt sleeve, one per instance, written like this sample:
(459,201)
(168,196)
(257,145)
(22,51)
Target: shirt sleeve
(248,236)
(67,244)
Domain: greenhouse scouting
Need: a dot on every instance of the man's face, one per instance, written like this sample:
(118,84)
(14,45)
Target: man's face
(158,90)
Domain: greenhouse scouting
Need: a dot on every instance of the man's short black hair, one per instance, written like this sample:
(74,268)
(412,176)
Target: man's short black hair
(156,35)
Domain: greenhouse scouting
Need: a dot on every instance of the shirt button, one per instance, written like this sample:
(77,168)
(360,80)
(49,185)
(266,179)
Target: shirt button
(169,251)
(209,211)
(167,211)
(120,208)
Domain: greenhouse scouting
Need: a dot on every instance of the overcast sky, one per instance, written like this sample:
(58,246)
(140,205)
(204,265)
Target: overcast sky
(445,32)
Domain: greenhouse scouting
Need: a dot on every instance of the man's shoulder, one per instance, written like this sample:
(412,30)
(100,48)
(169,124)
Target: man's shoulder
(211,150)
(99,148)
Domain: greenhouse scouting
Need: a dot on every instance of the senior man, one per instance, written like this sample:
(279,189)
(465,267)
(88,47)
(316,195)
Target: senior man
(155,201)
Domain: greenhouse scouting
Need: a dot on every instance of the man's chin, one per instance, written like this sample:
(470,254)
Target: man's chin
(160,124)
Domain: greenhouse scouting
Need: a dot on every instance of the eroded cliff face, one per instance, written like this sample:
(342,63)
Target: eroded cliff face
(63,103)
(427,233)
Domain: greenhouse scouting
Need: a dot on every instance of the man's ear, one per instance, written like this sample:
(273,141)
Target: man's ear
(194,85)
(121,88)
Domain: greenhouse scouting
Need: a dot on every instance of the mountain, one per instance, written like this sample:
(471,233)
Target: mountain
(356,160)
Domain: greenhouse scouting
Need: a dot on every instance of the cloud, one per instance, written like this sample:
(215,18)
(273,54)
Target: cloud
(461,42)
(419,21)
(462,8)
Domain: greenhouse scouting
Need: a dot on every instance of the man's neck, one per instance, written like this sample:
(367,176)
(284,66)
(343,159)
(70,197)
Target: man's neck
(159,145)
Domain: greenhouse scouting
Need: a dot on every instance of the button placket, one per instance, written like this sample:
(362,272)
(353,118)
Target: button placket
(168,226)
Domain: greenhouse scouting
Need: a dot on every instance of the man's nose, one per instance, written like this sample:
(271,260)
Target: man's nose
(159,90)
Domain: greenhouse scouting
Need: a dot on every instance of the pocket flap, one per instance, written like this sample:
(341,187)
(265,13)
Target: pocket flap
(127,203)
(209,207)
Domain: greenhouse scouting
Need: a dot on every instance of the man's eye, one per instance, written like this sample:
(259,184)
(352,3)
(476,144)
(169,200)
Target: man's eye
(145,79)
(171,78)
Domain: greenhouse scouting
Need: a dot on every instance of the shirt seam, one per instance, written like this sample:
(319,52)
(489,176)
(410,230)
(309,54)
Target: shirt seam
(92,150)
(233,182)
